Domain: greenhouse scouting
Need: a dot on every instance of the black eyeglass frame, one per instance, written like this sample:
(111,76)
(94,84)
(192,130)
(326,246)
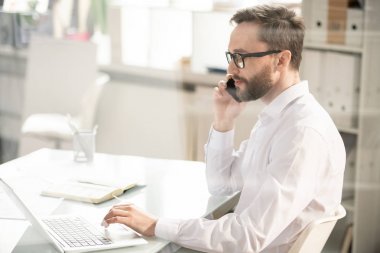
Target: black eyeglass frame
(230,56)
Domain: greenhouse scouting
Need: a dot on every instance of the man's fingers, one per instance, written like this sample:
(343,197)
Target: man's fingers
(104,223)
(220,89)
(116,212)
(116,215)
(118,219)
(123,206)
(222,84)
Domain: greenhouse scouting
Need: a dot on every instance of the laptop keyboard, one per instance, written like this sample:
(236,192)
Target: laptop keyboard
(76,232)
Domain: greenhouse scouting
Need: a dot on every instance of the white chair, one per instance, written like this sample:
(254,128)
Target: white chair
(58,74)
(315,235)
(54,126)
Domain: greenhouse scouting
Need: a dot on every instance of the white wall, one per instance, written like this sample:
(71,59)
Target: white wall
(141,119)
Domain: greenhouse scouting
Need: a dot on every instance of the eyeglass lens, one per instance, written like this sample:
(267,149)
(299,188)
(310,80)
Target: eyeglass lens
(238,60)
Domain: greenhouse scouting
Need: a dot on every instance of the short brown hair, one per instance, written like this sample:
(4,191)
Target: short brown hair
(280,28)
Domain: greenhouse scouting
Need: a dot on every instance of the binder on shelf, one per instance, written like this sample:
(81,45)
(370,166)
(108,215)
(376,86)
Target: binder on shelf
(355,26)
(317,23)
(341,77)
(337,19)
(318,32)
(311,70)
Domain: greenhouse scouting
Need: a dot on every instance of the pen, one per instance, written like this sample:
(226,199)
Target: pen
(115,197)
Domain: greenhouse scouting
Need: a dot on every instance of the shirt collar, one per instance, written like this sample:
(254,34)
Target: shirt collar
(275,108)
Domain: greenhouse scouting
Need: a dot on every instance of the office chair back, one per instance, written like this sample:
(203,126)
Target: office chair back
(314,237)
(54,126)
(58,73)
(61,79)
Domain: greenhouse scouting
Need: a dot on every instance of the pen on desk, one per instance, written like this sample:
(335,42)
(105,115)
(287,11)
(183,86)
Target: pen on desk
(116,197)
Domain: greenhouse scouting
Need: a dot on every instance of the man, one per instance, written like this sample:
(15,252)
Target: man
(290,169)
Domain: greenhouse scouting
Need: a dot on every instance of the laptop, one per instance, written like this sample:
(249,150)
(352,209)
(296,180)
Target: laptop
(70,233)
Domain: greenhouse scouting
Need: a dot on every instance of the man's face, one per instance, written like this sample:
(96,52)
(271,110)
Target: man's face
(254,81)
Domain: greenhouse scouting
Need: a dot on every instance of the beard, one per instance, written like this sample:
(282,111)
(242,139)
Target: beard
(257,86)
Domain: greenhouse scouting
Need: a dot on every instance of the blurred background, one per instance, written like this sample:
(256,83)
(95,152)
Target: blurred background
(142,73)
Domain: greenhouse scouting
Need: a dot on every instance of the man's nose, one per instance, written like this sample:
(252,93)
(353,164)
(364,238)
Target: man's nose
(232,68)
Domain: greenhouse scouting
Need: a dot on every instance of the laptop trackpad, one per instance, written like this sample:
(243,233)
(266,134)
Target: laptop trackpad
(120,233)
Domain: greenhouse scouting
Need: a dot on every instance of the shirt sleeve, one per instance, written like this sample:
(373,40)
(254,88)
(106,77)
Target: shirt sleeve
(222,163)
(293,173)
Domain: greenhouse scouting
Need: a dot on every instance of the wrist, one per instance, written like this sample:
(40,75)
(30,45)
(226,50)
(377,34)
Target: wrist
(152,228)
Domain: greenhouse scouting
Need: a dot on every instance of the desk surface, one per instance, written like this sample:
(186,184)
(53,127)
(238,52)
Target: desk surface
(169,188)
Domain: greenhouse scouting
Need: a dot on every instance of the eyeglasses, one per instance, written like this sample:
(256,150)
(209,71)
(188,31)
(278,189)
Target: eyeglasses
(239,58)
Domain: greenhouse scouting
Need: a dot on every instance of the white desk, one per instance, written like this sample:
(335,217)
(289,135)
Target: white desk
(173,188)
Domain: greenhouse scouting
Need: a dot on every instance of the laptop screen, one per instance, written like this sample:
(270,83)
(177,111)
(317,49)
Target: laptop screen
(28,215)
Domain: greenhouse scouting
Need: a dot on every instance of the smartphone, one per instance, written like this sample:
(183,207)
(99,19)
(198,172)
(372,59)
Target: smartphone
(231,89)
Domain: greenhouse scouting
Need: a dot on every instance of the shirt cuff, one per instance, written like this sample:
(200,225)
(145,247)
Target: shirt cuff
(218,140)
(167,229)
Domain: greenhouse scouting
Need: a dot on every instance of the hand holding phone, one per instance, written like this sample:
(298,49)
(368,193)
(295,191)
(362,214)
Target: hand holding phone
(231,89)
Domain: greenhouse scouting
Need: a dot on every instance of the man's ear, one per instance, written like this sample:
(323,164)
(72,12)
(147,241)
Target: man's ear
(283,60)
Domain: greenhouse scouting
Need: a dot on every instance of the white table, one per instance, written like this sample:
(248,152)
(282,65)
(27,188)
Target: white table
(169,188)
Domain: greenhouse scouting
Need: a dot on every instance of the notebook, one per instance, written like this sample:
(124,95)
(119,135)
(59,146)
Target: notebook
(87,189)
(70,233)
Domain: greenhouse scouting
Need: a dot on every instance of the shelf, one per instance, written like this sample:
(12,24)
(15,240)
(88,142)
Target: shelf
(127,71)
(333,47)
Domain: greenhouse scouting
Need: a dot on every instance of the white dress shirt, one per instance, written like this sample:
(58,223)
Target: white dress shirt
(289,172)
